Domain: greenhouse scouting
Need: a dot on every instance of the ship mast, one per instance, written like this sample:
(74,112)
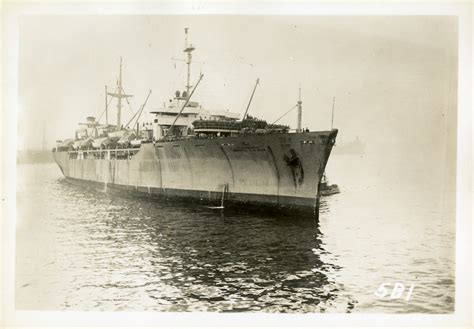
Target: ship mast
(119,95)
(188,48)
(298,123)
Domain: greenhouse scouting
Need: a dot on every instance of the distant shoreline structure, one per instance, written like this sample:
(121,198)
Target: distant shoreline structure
(354,147)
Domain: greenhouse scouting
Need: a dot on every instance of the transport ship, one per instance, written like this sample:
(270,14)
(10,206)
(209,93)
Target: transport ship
(210,157)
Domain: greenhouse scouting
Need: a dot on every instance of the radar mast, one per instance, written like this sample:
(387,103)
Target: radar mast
(188,48)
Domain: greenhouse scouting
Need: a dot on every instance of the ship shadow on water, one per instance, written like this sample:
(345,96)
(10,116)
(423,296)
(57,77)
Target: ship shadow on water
(228,260)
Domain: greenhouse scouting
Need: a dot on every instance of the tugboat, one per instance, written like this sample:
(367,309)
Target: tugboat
(327,189)
(202,155)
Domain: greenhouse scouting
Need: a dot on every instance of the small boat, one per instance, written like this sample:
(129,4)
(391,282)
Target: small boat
(327,189)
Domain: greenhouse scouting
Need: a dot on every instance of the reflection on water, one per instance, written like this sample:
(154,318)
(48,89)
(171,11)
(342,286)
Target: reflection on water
(81,248)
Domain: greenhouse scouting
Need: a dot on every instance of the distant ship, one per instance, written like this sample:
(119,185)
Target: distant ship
(29,156)
(209,157)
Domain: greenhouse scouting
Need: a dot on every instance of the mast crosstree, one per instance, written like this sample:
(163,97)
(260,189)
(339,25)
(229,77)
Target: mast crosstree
(119,95)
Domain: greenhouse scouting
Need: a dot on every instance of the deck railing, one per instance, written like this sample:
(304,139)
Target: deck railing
(108,154)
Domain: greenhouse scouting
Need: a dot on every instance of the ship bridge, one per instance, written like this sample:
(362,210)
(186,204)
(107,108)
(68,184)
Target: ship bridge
(181,120)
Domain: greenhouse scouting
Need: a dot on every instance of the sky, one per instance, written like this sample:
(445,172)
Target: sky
(394,78)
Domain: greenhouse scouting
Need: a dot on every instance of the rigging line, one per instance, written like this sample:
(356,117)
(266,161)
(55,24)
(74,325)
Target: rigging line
(110,100)
(127,125)
(139,112)
(284,114)
(129,106)
(180,76)
(143,106)
(97,115)
(104,110)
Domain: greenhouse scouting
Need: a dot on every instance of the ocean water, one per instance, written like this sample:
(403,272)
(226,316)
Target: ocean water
(81,248)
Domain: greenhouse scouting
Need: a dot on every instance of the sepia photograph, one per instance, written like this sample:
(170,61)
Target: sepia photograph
(253,163)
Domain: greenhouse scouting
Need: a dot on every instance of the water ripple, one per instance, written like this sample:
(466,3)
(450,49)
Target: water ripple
(105,251)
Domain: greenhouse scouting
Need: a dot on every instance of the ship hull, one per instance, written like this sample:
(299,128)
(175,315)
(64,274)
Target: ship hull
(277,171)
